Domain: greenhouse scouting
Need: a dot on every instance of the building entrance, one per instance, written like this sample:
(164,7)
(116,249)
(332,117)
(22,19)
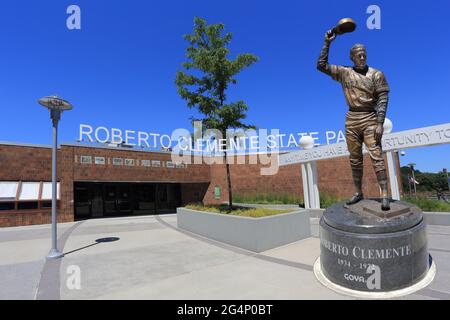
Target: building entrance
(108,199)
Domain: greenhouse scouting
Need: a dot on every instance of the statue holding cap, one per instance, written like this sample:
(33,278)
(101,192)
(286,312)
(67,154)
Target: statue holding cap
(366,92)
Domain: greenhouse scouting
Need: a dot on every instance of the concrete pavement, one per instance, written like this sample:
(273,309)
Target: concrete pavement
(154,260)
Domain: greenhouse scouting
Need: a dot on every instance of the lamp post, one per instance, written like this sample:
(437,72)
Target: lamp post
(448,180)
(411,165)
(409,184)
(56,106)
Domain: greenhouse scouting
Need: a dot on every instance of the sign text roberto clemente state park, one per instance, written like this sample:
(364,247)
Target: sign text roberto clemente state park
(267,139)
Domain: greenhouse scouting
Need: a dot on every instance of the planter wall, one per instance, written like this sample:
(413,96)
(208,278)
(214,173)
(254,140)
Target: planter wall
(254,234)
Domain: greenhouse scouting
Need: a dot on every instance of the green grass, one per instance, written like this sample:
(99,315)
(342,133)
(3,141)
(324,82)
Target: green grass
(237,211)
(326,200)
(267,198)
(429,204)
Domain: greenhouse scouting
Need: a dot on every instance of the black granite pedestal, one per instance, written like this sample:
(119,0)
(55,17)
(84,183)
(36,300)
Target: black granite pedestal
(366,249)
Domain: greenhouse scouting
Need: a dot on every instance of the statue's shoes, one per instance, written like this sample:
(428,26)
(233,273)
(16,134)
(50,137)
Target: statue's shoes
(357,197)
(385,206)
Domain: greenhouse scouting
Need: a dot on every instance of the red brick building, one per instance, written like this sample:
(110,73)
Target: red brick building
(97,181)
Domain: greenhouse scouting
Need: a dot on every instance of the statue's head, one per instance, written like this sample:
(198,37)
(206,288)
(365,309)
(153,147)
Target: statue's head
(358,55)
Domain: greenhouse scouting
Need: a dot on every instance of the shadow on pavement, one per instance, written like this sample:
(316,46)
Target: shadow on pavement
(98,241)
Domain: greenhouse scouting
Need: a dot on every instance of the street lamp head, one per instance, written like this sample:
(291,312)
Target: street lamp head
(387,126)
(307,142)
(55,103)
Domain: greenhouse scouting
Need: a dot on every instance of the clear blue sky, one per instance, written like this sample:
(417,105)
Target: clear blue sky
(119,69)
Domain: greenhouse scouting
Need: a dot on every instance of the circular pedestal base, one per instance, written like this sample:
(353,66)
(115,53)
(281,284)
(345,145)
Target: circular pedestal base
(362,250)
(374,295)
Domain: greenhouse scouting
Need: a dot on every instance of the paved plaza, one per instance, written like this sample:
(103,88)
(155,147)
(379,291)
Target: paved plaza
(153,259)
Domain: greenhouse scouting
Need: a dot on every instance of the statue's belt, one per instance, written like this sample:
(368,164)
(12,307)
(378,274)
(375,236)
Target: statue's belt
(362,109)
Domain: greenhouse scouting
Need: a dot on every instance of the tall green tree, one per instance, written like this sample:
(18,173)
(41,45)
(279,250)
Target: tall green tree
(429,181)
(206,79)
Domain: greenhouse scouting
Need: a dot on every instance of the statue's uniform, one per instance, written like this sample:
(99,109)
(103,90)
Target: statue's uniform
(361,92)
(366,91)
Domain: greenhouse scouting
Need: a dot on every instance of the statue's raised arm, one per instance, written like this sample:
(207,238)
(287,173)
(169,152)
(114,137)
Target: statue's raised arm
(322,63)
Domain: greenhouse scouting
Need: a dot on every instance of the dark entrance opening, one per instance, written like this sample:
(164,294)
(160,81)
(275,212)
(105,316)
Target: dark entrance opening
(108,199)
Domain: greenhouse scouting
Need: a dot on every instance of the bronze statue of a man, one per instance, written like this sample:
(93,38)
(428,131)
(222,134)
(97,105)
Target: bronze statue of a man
(366,91)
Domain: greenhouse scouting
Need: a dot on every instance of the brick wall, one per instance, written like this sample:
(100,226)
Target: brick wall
(25,163)
(193,192)
(335,178)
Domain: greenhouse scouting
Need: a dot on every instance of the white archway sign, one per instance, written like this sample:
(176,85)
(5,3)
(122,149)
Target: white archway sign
(309,177)
(421,137)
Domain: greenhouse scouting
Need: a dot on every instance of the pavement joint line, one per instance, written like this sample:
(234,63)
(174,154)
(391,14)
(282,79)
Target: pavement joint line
(288,263)
(49,285)
(88,230)
(37,227)
(439,250)
(99,220)
(439,234)
(247,253)
(432,293)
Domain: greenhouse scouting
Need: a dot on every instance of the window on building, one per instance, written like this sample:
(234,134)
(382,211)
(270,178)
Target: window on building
(46,204)
(8,193)
(47,191)
(99,160)
(129,162)
(29,191)
(117,161)
(27,205)
(144,198)
(86,159)
(7,205)
(145,163)
(180,165)
(31,195)
(170,164)
(156,163)
(8,190)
